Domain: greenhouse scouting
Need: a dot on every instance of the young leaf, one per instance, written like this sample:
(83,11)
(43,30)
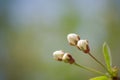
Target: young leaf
(100,78)
(107,56)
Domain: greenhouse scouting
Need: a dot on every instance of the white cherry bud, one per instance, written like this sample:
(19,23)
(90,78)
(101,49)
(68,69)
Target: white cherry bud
(58,55)
(73,39)
(68,58)
(83,45)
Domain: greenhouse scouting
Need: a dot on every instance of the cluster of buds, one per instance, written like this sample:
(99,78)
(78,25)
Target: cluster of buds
(83,45)
(62,56)
(75,40)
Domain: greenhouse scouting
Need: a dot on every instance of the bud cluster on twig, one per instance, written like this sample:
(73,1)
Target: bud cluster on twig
(82,45)
(75,40)
(62,56)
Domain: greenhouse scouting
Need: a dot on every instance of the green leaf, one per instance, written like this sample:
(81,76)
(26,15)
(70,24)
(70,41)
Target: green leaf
(107,56)
(100,78)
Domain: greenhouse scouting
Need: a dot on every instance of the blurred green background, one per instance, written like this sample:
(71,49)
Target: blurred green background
(31,30)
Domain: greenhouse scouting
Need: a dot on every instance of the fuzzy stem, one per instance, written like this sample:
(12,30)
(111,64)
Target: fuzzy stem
(100,63)
(89,69)
(96,60)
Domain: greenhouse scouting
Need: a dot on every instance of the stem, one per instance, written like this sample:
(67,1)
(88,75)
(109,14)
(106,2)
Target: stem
(99,63)
(96,60)
(116,78)
(89,69)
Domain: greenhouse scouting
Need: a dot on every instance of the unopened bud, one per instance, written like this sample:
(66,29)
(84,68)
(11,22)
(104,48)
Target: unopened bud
(68,58)
(83,46)
(115,71)
(73,39)
(58,55)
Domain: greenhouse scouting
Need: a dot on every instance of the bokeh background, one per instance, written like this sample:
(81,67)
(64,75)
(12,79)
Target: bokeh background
(31,30)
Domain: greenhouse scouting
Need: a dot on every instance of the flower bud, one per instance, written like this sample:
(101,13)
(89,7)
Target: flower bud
(68,58)
(73,39)
(115,71)
(58,55)
(83,45)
